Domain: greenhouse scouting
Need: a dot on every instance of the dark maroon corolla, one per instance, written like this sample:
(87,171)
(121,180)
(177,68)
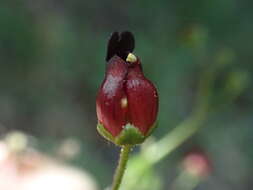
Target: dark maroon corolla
(127,102)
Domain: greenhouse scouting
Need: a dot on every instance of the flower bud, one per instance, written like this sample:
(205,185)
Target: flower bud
(197,164)
(127,102)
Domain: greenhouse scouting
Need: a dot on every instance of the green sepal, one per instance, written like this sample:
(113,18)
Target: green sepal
(104,133)
(130,135)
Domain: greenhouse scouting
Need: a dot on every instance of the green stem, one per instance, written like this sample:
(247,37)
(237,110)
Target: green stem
(172,140)
(119,172)
(185,181)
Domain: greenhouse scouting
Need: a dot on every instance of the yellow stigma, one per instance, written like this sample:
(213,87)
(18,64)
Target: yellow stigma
(131,58)
(123,102)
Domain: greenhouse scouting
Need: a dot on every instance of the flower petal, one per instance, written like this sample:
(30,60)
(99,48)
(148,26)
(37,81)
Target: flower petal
(142,99)
(111,112)
(120,44)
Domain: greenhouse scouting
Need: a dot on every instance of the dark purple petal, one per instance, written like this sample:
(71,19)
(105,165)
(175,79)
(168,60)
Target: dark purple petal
(110,111)
(126,44)
(120,44)
(142,99)
(112,45)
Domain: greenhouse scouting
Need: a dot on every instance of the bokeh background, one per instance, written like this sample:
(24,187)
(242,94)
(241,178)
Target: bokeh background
(52,61)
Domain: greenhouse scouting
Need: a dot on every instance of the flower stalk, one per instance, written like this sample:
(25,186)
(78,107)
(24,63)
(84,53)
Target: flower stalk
(119,172)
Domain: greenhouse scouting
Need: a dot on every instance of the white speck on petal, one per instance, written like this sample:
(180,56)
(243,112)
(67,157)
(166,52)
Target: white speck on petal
(123,102)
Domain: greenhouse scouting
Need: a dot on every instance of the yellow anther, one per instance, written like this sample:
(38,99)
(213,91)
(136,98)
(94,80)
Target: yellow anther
(131,58)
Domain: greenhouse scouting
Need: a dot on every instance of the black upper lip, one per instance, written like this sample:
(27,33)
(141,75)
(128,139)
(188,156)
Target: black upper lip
(120,44)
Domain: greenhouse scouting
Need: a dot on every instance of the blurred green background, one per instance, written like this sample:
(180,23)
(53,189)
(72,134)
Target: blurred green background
(52,61)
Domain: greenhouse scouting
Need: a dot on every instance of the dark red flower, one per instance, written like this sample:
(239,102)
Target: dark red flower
(125,96)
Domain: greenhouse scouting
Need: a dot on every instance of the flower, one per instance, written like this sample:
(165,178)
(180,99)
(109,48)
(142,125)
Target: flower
(197,163)
(127,102)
